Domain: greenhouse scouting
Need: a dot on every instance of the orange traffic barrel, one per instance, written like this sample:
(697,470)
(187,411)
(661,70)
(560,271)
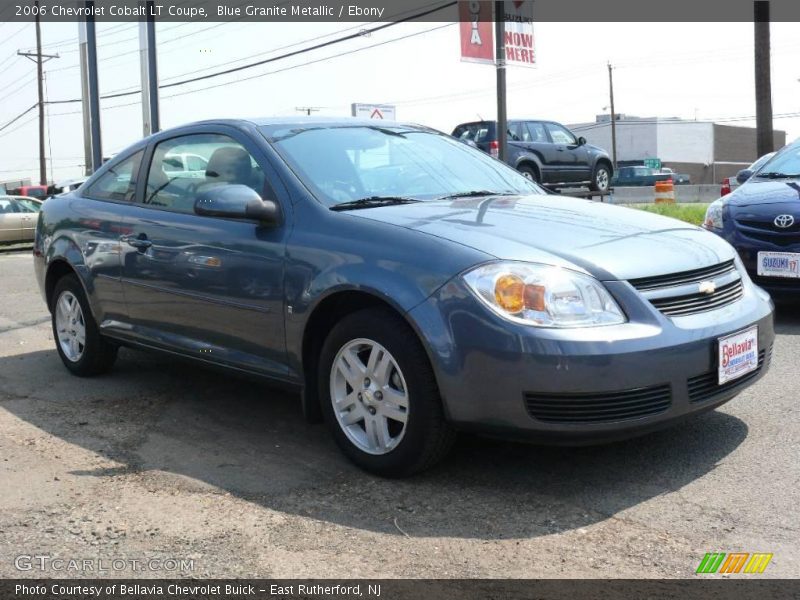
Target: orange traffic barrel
(665,192)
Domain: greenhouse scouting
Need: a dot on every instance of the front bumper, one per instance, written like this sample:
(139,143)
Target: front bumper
(499,377)
(748,242)
(777,286)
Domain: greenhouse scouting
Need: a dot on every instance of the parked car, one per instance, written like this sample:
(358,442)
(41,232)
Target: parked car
(18,216)
(544,151)
(64,186)
(677,178)
(644,176)
(408,284)
(31,191)
(731,183)
(761,219)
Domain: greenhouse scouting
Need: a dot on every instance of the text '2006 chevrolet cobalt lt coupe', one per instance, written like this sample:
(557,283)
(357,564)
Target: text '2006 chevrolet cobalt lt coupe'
(410,285)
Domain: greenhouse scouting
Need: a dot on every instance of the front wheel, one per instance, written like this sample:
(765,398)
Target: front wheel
(379,395)
(602,179)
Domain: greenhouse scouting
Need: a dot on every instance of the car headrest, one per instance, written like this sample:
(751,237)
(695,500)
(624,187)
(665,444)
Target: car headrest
(229,165)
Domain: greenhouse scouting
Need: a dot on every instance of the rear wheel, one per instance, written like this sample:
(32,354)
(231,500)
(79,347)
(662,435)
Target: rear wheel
(529,172)
(379,395)
(81,347)
(602,178)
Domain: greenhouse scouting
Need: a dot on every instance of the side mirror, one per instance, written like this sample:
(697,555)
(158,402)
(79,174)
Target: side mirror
(236,201)
(581,141)
(744,175)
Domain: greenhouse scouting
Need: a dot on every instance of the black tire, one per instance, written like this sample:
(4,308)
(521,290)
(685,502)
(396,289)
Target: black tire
(98,354)
(428,436)
(601,178)
(529,172)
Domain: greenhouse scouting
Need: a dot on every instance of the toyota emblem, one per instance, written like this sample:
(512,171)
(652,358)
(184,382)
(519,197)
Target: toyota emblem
(784,221)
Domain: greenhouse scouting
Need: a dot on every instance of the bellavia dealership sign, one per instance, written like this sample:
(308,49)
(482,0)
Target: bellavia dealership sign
(477,32)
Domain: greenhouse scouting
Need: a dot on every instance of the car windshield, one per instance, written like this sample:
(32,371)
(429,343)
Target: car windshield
(355,162)
(785,163)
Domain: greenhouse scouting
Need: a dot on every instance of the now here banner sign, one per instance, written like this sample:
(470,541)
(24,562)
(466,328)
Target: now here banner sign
(477,32)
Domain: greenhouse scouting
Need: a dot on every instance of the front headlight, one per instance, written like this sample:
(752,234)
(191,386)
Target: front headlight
(543,295)
(713,218)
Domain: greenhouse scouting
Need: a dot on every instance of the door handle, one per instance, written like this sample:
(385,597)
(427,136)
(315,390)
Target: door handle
(139,242)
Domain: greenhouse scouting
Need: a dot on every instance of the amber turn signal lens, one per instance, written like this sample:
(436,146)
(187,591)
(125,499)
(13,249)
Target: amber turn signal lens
(534,297)
(509,293)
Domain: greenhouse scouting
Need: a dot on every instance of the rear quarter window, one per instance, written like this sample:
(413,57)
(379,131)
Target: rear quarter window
(118,183)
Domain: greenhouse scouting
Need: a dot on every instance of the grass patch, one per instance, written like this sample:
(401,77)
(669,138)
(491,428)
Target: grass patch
(693,213)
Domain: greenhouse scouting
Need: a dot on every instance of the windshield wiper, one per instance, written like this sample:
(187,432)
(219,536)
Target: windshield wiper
(476,193)
(372,202)
(775,175)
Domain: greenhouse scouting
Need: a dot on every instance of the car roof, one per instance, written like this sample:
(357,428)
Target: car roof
(301,121)
(12,197)
(510,120)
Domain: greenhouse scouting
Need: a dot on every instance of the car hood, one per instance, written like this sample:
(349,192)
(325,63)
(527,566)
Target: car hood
(609,242)
(765,192)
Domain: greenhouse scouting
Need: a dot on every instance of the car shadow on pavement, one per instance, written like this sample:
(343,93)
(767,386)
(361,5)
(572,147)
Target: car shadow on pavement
(787,317)
(170,425)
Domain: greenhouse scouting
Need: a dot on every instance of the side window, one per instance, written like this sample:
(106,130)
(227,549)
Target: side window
(119,182)
(535,131)
(185,168)
(25,206)
(6,206)
(560,135)
(515,132)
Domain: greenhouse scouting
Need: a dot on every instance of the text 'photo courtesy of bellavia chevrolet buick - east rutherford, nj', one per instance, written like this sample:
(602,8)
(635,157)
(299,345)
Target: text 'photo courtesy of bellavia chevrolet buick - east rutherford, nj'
(434,292)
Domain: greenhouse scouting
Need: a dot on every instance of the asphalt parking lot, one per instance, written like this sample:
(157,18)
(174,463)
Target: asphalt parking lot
(162,460)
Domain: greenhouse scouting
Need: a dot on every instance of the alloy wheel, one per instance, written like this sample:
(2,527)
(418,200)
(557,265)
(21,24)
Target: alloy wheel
(70,326)
(369,396)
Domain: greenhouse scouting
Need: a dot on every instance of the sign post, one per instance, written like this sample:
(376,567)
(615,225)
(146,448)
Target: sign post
(512,43)
(500,65)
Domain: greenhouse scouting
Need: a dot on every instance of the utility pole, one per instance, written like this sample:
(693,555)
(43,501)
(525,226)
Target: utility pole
(764,135)
(613,116)
(93,88)
(87,119)
(500,63)
(40,59)
(307,109)
(151,119)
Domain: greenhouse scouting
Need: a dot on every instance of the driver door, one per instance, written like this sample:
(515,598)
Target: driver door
(572,158)
(206,286)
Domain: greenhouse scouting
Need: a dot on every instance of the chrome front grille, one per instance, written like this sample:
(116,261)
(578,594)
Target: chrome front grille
(692,292)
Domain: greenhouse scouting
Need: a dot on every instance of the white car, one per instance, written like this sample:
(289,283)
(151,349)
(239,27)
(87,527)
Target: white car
(18,216)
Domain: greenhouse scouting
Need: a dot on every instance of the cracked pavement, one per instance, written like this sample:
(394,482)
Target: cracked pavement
(161,459)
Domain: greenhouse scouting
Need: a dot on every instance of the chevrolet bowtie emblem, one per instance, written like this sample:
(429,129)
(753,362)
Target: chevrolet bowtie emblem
(707,287)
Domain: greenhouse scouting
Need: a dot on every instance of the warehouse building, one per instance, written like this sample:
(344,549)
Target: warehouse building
(707,151)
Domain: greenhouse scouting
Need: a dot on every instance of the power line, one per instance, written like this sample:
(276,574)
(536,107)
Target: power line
(295,44)
(270,60)
(15,34)
(18,117)
(25,83)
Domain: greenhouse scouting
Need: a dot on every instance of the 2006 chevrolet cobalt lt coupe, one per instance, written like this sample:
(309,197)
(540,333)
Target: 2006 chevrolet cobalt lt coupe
(410,285)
